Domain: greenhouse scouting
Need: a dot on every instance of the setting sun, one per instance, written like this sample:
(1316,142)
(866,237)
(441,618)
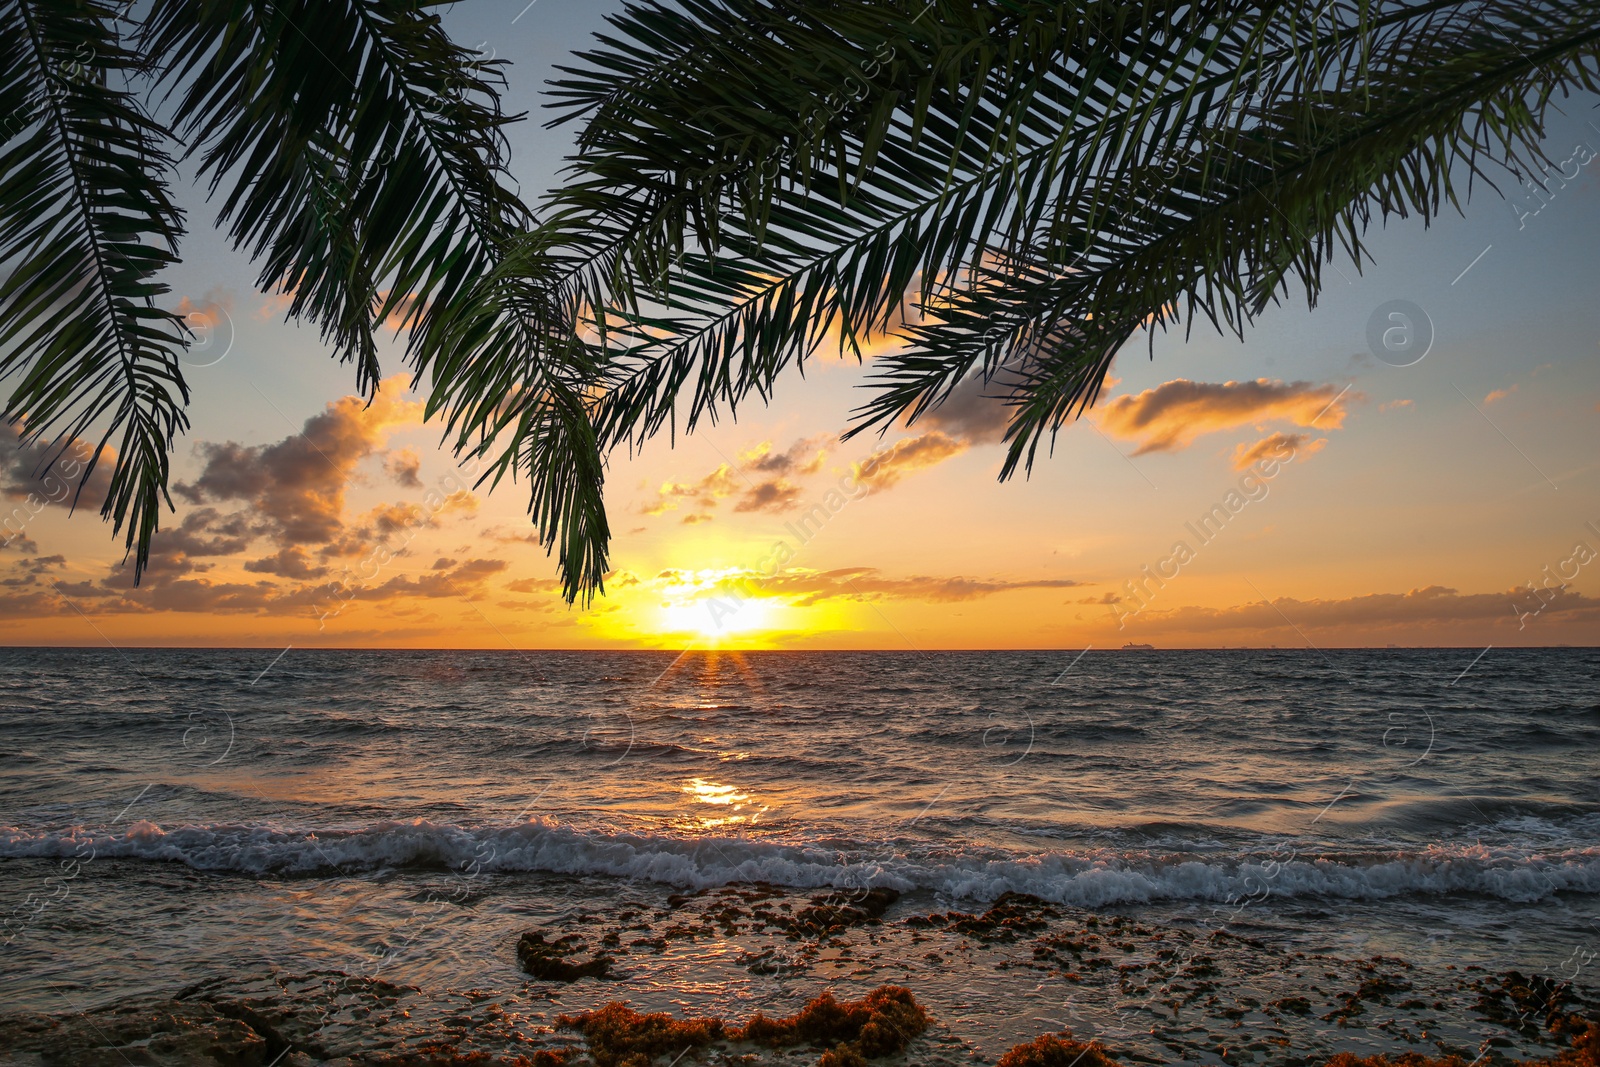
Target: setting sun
(706,605)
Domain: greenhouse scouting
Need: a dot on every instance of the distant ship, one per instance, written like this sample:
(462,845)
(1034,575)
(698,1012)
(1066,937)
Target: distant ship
(1131,647)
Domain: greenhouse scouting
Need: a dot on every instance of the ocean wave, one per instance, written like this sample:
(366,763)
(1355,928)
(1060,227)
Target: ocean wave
(1088,878)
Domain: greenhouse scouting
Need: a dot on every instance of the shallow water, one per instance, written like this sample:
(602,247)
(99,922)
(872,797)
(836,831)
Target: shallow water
(168,815)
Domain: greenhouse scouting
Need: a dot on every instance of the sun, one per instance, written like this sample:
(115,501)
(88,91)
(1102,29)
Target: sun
(714,618)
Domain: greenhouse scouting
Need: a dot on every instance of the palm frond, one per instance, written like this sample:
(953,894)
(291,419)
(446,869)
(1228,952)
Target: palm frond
(86,226)
(1397,122)
(1040,180)
(360,155)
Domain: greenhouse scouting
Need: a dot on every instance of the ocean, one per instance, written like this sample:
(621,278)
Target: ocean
(170,818)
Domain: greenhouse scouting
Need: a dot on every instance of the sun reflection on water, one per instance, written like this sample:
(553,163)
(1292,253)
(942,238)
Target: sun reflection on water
(734,807)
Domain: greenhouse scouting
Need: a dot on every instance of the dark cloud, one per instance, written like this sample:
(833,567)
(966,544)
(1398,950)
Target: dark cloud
(405,467)
(51,472)
(802,457)
(297,486)
(27,572)
(776,495)
(466,579)
(19,606)
(177,550)
(289,562)
(970,414)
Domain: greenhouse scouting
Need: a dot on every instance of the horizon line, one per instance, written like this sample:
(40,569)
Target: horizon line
(692,648)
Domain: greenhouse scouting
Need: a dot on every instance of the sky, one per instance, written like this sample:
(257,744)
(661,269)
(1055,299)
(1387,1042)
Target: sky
(1292,489)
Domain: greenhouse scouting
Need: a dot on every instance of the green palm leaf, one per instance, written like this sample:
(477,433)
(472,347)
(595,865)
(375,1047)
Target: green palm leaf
(359,154)
(1038,180)
(86,226)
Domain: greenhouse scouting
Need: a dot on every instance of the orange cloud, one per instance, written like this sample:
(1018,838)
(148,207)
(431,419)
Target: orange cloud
(1276,446)
(806,588)
(1434,605)
(798,458)
(51,471)
(706,492)
(1499,394)
(1169,417)
(890,465)
(299,483)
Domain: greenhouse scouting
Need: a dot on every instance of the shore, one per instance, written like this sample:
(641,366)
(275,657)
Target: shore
(1141,992)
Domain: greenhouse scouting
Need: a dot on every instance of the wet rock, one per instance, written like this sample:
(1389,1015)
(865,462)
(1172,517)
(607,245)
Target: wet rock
(839,911)
(1011,916)
(170,1033)
(559,960)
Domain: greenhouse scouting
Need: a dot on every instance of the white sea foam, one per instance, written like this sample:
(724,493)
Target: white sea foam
(1088,878)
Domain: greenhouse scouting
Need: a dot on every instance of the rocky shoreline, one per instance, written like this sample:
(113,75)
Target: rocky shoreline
(1155,994)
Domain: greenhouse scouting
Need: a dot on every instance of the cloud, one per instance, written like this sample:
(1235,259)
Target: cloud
(759,481)
(176,551)
(1499,394)
(537,585)
(290,562)
(1396,405)
(802,457)
(777,495)
(969,414)
(210,323)
(1434,605)
(27,572)
(1169,417)
(1276,446)
(465,579)
(705,493)
(868,583)
(405,467)
(504,536)
(274,306)
(50,471)
(890,465)
(298,484)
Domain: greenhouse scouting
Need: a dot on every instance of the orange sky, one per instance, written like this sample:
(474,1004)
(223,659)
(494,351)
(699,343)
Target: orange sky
(1291,490)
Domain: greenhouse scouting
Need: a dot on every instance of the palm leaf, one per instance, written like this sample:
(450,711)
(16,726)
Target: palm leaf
(359,154)
(1040,180)
(86,226)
